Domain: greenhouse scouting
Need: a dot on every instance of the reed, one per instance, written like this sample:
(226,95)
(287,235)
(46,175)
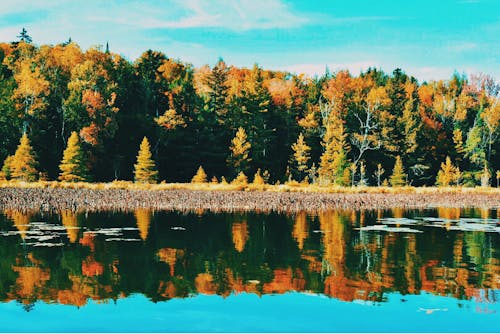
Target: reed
(125,196)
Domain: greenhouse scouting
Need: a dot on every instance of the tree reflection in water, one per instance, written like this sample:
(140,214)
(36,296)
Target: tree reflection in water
(163,255)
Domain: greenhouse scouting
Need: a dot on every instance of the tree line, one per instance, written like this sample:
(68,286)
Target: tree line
(82,115)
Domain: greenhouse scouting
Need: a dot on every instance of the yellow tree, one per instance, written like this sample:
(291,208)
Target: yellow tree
(23,164)
(145,169)
(72,166)
(333,161)
(448,173)
(200,177)
(373,121)
(240,148)
(32,88)
(301,155)
(491,117)
(398,177)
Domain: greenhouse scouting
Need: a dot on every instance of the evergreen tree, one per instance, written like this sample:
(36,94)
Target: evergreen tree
(200,177)
(24,37)
(301,156)
(145,169)
(240,149)
(258,179)
(398,177)
(23,164)
(448,173)
(333,161)
(72,166)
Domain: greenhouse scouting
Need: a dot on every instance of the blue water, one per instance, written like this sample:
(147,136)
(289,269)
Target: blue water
(290,312)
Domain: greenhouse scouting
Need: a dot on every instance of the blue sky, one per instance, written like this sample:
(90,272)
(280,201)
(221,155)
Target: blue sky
(428,39)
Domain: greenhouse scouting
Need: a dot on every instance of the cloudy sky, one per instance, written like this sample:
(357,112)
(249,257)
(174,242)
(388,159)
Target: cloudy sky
(429,39)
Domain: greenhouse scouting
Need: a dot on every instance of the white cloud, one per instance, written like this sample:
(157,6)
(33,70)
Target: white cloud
(238,15)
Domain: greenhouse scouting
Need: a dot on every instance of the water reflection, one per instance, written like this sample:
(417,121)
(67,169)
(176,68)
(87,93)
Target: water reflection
(72,258)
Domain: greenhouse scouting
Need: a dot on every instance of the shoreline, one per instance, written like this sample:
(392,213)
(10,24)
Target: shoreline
(50,199)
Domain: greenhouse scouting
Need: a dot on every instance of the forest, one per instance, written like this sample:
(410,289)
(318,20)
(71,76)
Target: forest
(97,108)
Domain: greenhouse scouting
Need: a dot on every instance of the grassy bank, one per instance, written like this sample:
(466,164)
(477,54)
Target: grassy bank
(120,195)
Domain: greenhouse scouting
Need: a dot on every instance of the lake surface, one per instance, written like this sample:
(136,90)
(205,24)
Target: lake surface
(432,270)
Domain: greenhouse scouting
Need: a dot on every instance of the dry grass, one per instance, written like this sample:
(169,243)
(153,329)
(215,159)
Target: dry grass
(121,195)
(287,187)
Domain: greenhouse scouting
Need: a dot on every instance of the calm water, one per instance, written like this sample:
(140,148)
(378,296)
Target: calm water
(433,270)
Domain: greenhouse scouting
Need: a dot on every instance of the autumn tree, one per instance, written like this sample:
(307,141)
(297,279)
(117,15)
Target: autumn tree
(73,168)
(200,176)
(448,174)
(300,156)
(373,127)
(240,148)
(145,169)
(378,174)
(333,161)
(398,177)
(23,164)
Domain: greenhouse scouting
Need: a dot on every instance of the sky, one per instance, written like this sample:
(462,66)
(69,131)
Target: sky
(429,39)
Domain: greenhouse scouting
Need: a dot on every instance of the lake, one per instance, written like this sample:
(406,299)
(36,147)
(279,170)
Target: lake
(432,270)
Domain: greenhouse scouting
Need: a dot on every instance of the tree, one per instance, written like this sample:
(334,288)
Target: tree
(485,176)
(301,156)
(448,173)
(398,177)
(258,179)
(378,174)
(73,168)
(240,149)
(23,164)
(373,122)
(200,177)
(333,161)
(24,37)
(145,169)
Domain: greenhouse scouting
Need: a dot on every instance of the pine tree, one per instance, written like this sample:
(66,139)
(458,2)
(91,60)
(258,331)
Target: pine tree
(258,179)
(6,168)
(398,177)
(448,173)
(200,177)
(240,149)
(23,164)
(301,156)
(333,161)
(72,166)
(145,169)
(241,179)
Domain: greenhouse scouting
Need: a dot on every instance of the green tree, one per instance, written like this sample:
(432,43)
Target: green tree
(73,168)
(145,169)
(398,177)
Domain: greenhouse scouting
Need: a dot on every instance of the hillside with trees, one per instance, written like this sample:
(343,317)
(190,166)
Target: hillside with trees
(82,115)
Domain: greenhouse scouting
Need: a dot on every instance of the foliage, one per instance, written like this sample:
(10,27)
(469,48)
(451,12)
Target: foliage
(398,177)
(73,168)
(23,164)
(145,169)
(240,149)
(448,174)
(269,120)
(201,176)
